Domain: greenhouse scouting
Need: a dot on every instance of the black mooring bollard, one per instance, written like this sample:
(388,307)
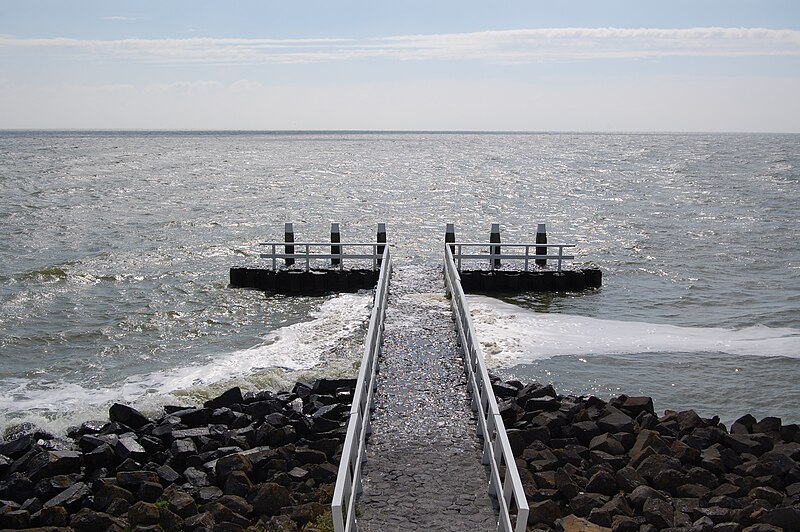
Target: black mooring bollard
(541,238)
(335,250)
(494,236)
(450,236)
(380,238)
(288,236)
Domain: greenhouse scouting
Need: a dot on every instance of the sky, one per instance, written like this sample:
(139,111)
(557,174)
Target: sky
(432,65)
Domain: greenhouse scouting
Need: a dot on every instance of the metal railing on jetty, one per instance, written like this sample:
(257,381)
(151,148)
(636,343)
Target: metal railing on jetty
(336,259)
(493,253)
(348,480)
(505,483)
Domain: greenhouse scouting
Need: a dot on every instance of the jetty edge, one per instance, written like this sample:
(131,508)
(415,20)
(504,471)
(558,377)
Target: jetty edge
(252,461)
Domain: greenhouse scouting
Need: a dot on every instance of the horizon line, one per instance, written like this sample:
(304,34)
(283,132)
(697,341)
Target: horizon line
(390,131)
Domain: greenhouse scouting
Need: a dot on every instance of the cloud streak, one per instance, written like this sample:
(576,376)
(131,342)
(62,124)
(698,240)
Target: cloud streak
(505,46)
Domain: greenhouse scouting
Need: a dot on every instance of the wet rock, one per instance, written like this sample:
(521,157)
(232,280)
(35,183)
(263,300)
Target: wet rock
(17,447)
(634,406)
(91,521)
(228,398)
(223,514)
(233,462)
(628,479)
(615,421)
(196,477)
(668,480)
(104,496)
(127,415)
(642,494)
(767,425)
(583,503)
(573,523)
(602,482)
(50,463)
(132,479)
(648,438)
(658,512)
(692,490)
(585,431)
(101,456)
(202,521)
(179,502)
(47,488)
(544,512)
(784,517)
(688,420)
(238,483)
(72,498)
(270,498)
(565,483)
(149,491)
(15,519)
(143,513)
(56,516)
(744,443)
(655,464)
(607,444)
(127,447)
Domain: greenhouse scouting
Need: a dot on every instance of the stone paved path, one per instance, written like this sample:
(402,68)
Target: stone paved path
(423,469)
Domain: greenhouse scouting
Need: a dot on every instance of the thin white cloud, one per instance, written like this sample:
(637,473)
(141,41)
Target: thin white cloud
(506,46)
(122,17)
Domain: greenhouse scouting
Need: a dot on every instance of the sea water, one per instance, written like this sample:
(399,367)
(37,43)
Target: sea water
(116,248)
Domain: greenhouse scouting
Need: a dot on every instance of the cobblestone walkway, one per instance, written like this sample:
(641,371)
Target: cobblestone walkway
(423,469)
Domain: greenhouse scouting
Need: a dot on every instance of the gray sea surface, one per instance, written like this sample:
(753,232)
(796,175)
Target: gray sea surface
(116,248)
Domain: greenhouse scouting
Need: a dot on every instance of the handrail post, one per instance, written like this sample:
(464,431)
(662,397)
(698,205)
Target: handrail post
(494,236)
(381,238)
(308,258)
(541,238)
(274,259)
(336,236)
(560,254)
(288,236)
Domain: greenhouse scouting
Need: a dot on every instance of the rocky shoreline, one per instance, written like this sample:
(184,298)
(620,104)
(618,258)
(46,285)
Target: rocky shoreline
(258,461)
(268,461)
(588,464)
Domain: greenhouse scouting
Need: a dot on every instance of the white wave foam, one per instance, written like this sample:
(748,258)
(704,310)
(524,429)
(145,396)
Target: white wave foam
(512,335)
(57,405)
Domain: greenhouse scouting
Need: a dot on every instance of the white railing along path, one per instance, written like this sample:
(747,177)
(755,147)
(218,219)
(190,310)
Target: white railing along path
(348,479)
(505,483)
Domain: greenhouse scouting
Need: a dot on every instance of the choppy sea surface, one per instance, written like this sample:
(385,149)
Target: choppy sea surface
(116,249)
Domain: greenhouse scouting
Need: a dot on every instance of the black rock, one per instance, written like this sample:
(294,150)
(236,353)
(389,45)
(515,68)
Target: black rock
(127,415)
(17,447)
(330,386)
(50,463)
(228,398)
(127,447)
(76,496)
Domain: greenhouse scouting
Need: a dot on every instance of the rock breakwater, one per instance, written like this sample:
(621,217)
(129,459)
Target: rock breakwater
(243,461)
(590,464)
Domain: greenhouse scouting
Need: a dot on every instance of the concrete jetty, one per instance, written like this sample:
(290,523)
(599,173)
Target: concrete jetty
(423,468)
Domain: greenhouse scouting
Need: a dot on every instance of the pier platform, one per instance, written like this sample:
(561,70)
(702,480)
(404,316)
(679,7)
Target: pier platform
(423,469)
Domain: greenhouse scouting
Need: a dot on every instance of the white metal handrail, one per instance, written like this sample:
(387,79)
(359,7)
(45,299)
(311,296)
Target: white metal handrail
(494,252)
(306,255)
(504,482)
(348,479)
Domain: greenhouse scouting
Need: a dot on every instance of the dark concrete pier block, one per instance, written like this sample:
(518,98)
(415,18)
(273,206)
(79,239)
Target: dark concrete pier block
(473,281)
(299,282)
